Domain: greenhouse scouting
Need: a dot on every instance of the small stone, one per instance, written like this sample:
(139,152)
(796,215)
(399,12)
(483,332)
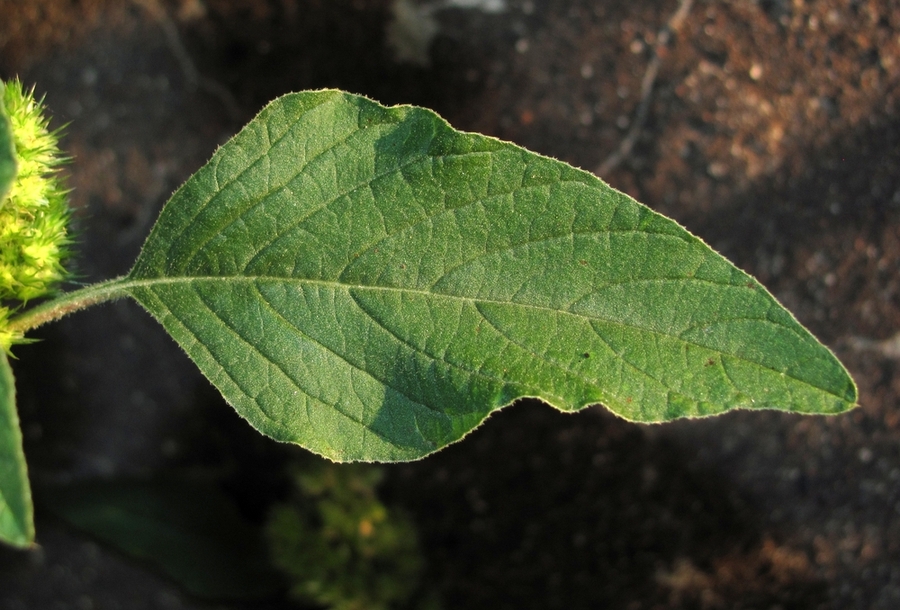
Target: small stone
(717,169)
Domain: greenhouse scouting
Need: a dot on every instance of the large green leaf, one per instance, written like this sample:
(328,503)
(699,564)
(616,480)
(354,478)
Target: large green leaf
(16,512)
(371,284)
(16,518)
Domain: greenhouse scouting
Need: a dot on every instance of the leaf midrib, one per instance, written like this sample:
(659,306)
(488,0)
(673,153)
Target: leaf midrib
(129,283)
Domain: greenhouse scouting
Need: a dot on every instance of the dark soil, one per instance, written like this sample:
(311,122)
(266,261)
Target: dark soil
(772,132)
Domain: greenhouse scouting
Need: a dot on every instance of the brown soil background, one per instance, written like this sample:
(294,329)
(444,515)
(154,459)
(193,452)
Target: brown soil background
(773,133)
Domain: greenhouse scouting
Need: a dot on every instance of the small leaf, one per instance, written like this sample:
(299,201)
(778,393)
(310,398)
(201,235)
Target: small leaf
(7,151)
(370,283)
(16,511)
(191,532)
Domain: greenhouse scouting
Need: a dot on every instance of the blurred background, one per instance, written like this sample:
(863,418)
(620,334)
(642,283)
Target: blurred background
(769,128)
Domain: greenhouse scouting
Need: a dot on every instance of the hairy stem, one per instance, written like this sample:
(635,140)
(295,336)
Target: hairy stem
(67,303)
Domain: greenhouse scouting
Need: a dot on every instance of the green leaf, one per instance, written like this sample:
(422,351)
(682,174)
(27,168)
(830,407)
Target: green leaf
(189,531)
(16,511)
(7,150)
(370,283)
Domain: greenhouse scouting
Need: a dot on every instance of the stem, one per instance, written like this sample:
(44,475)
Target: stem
(67,303)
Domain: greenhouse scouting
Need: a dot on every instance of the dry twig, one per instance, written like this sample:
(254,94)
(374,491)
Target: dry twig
(192,76)
(640,115)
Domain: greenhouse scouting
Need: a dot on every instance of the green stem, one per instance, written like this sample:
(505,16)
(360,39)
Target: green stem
(67,303)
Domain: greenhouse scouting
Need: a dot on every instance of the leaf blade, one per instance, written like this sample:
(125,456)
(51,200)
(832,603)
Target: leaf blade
(16,510)
(371,284)
(7,150)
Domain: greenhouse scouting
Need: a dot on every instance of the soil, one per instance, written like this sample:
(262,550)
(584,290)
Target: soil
(772,131)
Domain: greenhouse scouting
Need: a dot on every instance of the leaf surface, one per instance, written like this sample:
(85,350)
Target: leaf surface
(7,150)
(16,512)
(370,283)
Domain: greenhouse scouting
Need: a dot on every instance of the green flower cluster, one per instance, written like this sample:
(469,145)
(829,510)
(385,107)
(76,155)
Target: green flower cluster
(34,213)
(341,547)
